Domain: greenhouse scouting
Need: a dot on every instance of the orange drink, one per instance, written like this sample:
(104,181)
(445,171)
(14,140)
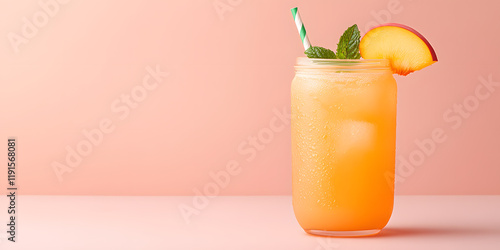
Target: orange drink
(343,145)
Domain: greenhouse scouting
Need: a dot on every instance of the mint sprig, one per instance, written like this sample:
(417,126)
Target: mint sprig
(347,48)
(320,52)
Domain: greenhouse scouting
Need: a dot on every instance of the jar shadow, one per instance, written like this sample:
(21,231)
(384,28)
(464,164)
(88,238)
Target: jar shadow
(410,232)
(422,232)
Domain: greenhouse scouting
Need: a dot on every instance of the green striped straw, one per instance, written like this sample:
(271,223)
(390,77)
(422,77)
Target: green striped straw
(300,28)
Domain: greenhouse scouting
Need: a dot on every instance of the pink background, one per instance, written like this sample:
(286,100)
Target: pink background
(227,72)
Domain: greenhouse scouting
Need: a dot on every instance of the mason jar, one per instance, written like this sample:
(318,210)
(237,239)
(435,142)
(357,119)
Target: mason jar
(343,145)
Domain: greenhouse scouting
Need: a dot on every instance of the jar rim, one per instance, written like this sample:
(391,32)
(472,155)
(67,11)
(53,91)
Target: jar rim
(354,64)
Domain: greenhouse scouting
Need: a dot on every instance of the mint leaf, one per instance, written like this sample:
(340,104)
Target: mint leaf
(348,46)
(320,52)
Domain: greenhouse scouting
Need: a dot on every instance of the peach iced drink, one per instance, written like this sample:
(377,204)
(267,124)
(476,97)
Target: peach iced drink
(344,127)
(343,145)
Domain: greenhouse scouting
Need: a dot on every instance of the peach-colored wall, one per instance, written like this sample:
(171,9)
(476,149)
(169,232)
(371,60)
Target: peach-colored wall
(229,72)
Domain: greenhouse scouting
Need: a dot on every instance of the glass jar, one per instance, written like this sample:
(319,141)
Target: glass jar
(343,145)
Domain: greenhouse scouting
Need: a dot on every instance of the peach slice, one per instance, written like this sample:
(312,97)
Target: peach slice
(406,49)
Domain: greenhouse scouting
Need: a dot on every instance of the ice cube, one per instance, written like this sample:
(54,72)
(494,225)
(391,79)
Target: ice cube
(355,135)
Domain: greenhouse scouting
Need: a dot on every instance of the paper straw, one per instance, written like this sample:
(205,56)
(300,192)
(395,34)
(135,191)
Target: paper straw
(300,28)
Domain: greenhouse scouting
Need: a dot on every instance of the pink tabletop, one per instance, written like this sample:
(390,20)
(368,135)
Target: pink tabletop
(251,222)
